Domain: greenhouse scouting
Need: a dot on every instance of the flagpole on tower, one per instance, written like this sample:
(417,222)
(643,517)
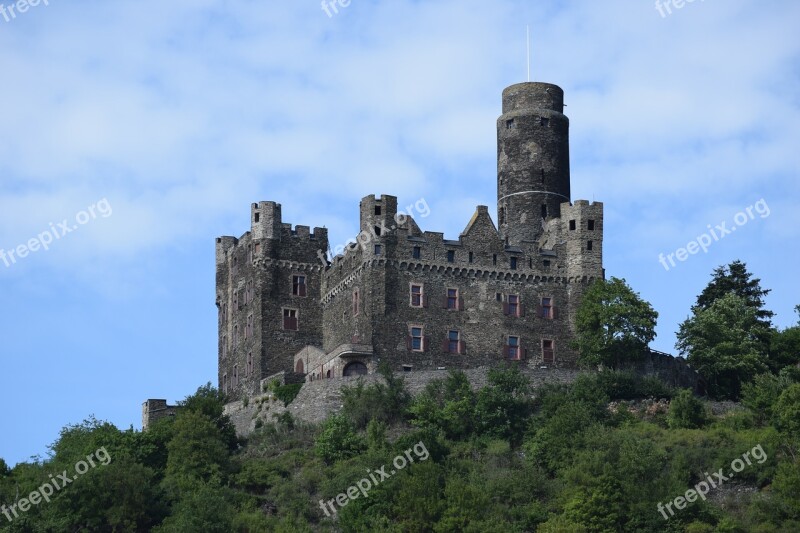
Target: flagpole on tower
(528,41)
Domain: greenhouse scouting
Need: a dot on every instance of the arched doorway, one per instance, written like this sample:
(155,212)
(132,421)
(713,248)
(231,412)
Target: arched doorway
(356,368)
(299,367)
(328,374)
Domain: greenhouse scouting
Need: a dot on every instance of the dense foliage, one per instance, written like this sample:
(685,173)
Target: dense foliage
(501,458)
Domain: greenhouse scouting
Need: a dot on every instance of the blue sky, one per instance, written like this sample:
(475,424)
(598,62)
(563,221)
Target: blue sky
(175,116)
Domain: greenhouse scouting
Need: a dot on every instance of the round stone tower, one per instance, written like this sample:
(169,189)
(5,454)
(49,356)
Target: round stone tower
(532,160)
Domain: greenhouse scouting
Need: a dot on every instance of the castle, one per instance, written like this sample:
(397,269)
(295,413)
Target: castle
(410,297)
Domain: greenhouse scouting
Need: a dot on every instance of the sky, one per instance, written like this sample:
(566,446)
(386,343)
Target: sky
(133,133)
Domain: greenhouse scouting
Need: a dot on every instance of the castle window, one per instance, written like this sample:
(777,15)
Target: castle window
(377,231)
(589,245)
(547,309)
(510,124)
(470,257)
(513,263)
(235,337)
(545,122)
(249,363)
(378,210)
(416,253)
(498,296)
(248,329)
(235,376)
(591,225)
(451,256)
(328,374)
(408,368)
(453,343)
(572,225)
(378,249)
(548,353)
(452,301)
(256,216)
(513,350)
(299,285)
(494,259)
(290,319)
(512,307)
(544,210)
(416,339)
(501,216)
(225,383)
(235,300)
(355,302)
(417,296)
(546,263)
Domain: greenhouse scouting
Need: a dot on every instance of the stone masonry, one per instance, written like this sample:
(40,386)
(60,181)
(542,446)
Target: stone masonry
(413,298)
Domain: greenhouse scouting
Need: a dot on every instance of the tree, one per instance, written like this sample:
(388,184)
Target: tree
(210,402)
(722,344)
(784,348)
(4,470)
(614,325)
(504,406)
(735,279)
(198,452)
(338,440)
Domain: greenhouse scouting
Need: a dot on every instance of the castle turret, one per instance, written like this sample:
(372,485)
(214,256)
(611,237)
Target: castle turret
(532,160)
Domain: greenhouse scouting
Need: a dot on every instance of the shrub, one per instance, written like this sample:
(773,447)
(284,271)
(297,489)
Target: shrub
(338,440)
(686,411)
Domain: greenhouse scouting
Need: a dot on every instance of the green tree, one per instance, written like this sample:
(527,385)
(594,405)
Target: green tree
(4,470)
(210,402)
(686,411)
(735,279)
(198,452)
(784,348)
(722,344)
(787,417)
(207,508)
(614,325)
(504,405)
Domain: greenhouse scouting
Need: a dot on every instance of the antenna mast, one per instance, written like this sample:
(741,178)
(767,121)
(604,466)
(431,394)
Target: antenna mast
(528,41)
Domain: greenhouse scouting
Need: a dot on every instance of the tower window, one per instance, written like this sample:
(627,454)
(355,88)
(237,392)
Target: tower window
(378,249)
(547,351)
(589,245)
(572,225)
(416,253)
(510,125)
(591,225)
(452,300)
(290,319)
(256,217)
(378,231)
(470,257)
(299,285)
(451,256)
(378,210)
(417,296)
(513,263)
(512,348)
(494,259)
(544,210)
(545,122)
(416,340)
